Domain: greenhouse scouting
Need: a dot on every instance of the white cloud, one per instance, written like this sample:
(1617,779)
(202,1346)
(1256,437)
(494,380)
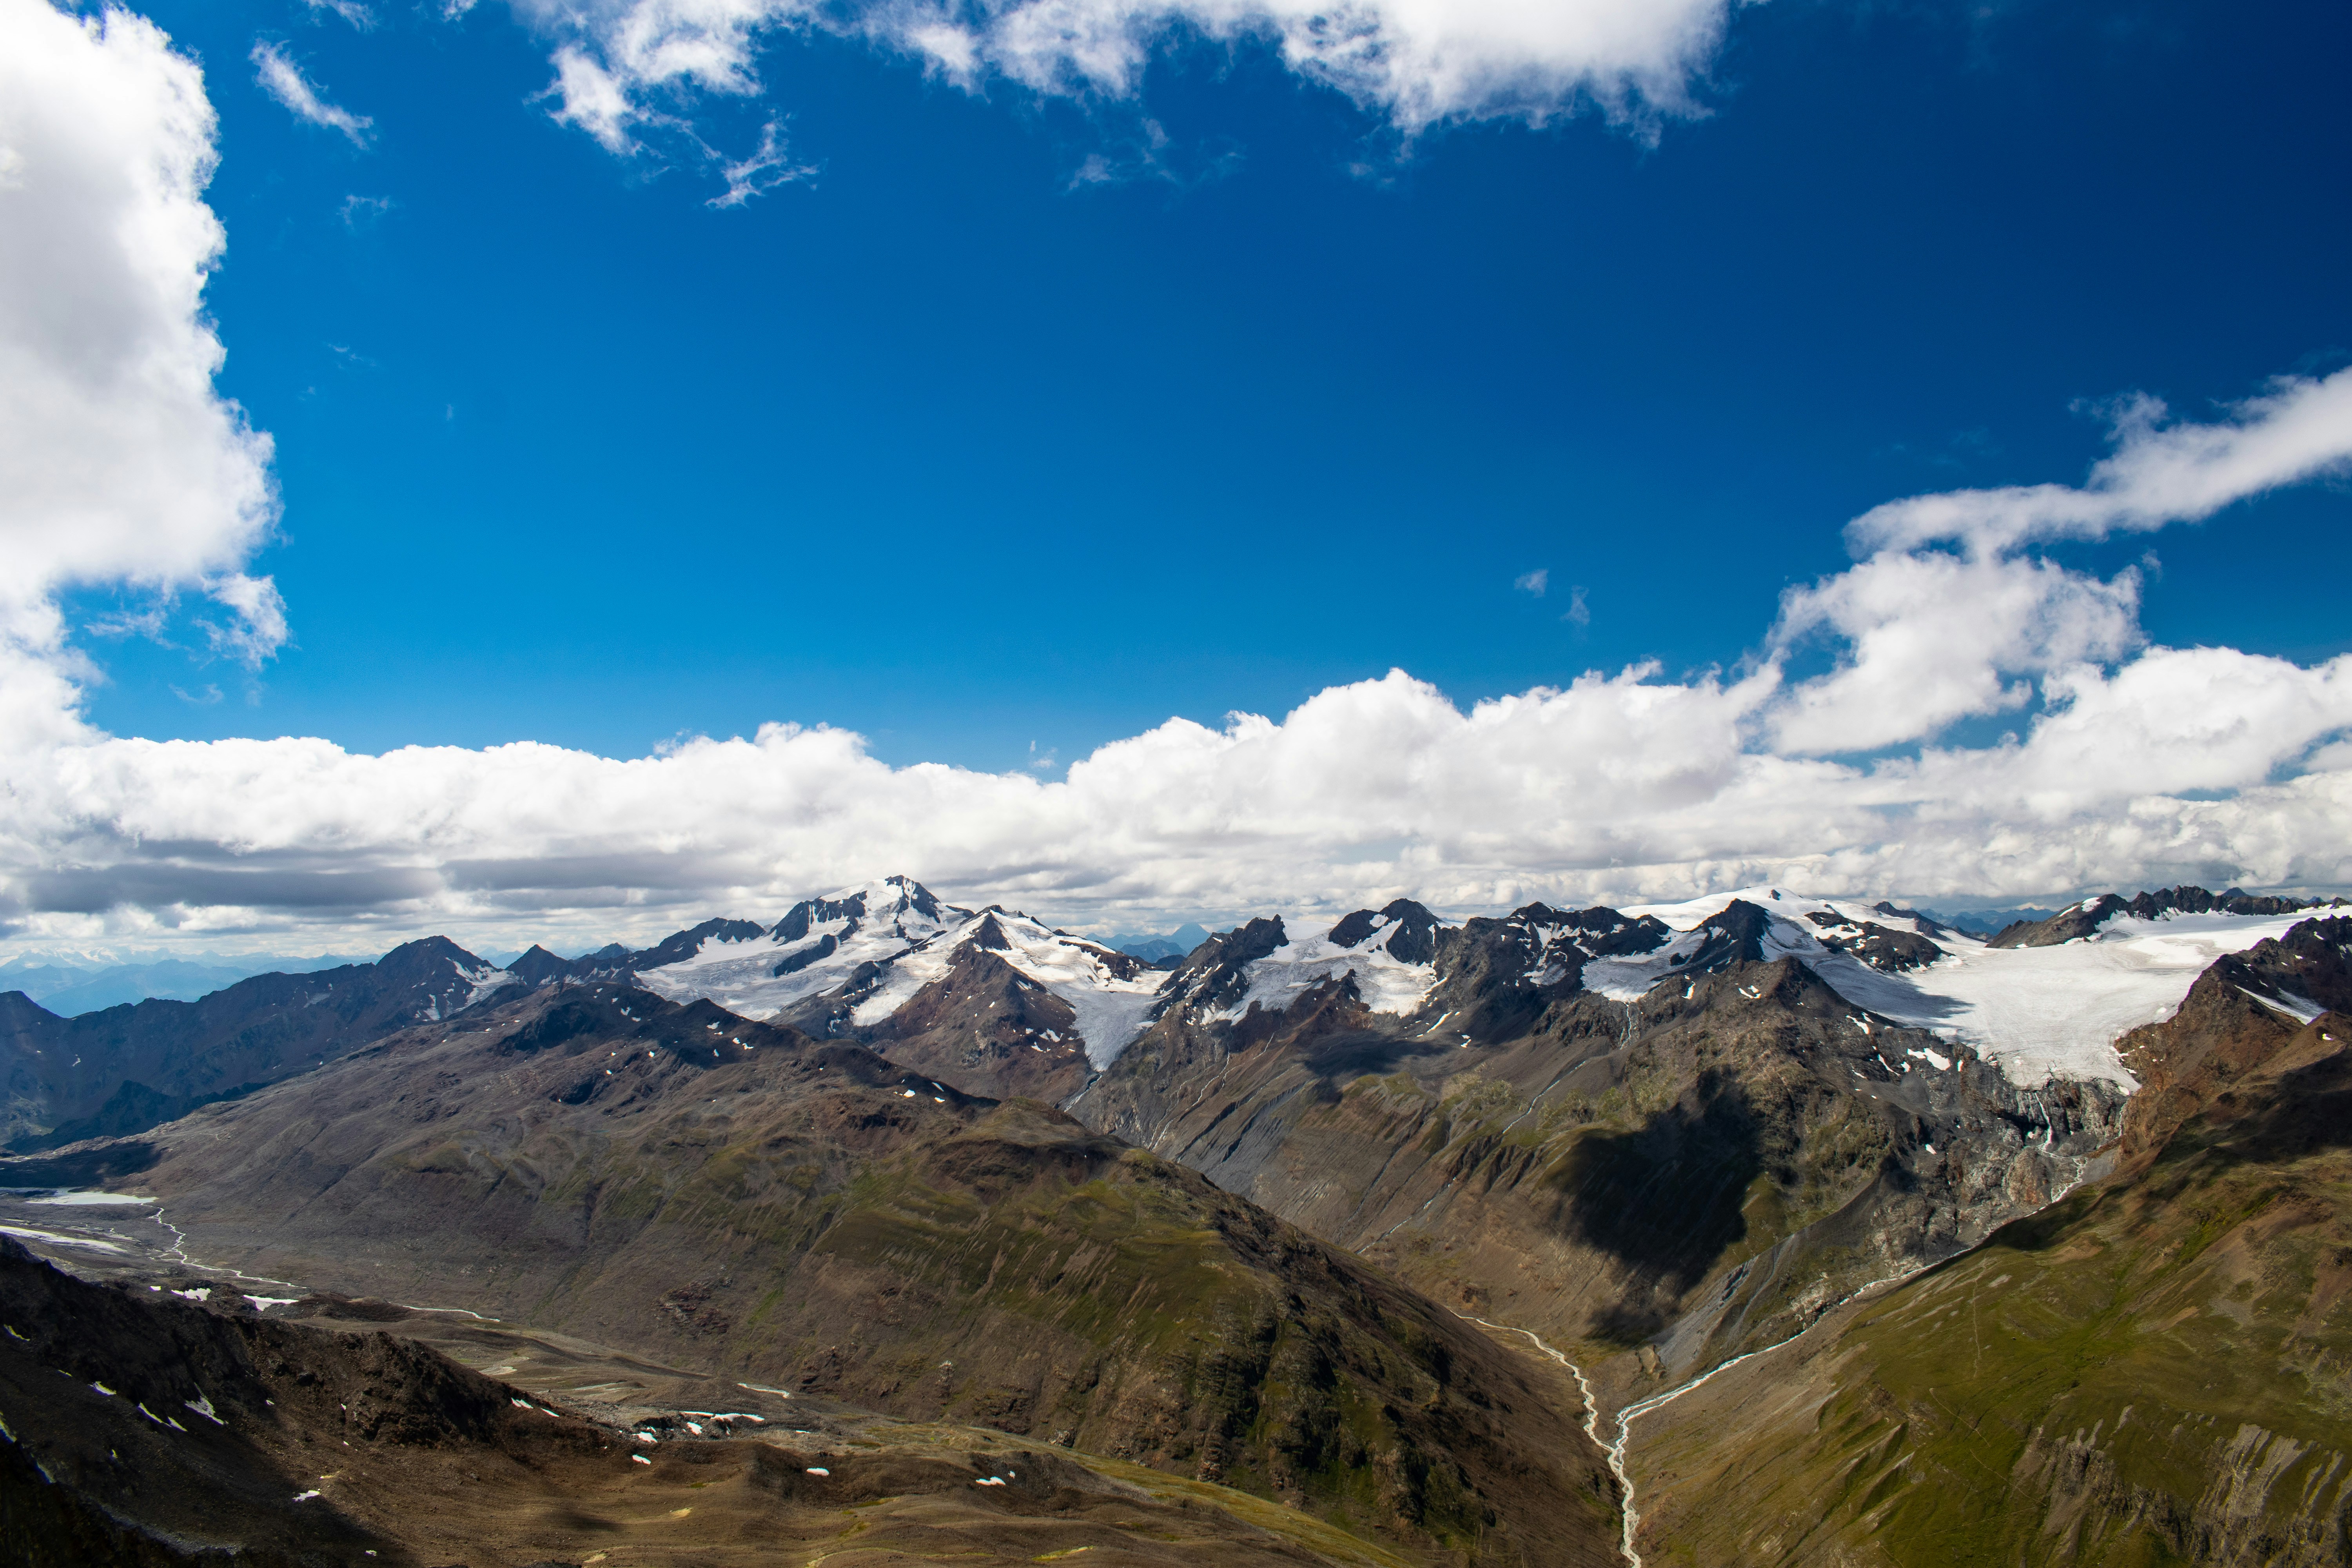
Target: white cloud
(763,171)
(2162,472)
(1534,582)
(1415,63)
(1927,635)
(119,463)
(2132,764)
(1580,609)
(283,80)
(350,11)
(1928,638)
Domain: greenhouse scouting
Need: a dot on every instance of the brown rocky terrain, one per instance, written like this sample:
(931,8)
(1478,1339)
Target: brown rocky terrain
(810,1216)
(1696,1172)
(985,1022)
(141,1429)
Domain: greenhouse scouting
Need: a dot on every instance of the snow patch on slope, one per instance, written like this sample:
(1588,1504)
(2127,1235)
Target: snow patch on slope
(1386,983)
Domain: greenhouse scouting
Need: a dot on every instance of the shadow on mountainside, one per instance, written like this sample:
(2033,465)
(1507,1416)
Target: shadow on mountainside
(1665,1199)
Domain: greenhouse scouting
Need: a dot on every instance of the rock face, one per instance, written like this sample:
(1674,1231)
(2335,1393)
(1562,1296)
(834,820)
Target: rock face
(127,1068)
(811,1215)
(985,1022)
(1698,1172)
(2149,1371)
(1881,947)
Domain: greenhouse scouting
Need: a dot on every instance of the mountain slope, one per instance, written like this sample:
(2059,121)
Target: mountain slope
(2151,1372)
(598,1160)
(130,1067)
(184,1433)
(1694,1171)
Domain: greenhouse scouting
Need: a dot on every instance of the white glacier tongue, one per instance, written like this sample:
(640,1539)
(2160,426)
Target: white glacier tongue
(910,939)
(2037,1012)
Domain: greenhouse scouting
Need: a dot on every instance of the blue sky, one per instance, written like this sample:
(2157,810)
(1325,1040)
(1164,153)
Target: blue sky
(556,470)
(934,446)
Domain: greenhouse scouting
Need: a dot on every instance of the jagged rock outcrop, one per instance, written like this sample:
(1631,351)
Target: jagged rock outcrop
(1881,947)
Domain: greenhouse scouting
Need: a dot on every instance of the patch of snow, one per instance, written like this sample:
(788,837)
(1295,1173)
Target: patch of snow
(912,949)
(484,980)
(85,1199)
(1386,983)
(2302,1009)
(263,1303)
(57,1239)
(640,1459)
(739,974)
(1629,979)
(818,1470)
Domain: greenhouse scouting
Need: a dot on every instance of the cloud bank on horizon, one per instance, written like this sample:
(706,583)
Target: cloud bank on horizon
(119,463)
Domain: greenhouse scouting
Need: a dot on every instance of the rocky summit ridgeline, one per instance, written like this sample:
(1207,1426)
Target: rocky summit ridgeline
(1437,1236)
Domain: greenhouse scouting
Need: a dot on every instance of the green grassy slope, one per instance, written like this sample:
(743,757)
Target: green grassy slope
(2153,1372)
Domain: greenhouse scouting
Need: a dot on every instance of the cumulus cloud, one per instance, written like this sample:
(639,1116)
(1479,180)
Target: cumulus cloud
(283,80)
(119,463)
(620,67)
(2130,764)
(1947,613)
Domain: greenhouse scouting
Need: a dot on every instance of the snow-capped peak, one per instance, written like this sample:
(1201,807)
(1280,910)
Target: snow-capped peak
(872,948)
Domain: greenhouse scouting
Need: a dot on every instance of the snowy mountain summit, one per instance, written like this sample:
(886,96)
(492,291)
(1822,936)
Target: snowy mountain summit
(993,993)
(856,958)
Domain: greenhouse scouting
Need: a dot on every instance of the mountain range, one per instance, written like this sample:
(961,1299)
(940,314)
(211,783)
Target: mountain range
(1430,1230)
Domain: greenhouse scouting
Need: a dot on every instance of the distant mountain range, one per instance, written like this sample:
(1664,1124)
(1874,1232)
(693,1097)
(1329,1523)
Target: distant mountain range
(1237,1215)
(69,988)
